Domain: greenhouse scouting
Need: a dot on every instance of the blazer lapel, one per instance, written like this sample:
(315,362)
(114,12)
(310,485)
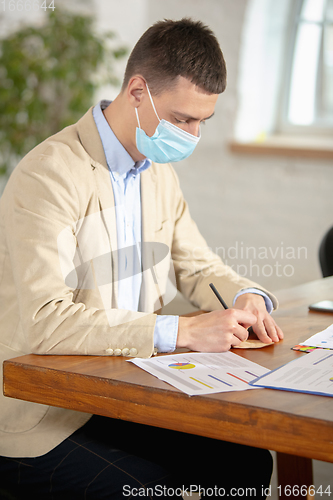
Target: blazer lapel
(91,142)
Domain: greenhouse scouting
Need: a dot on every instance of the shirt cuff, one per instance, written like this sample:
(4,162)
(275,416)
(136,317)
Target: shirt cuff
(165,333)
(268,302)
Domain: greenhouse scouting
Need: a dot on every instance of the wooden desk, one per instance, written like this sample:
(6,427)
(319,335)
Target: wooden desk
(298,426)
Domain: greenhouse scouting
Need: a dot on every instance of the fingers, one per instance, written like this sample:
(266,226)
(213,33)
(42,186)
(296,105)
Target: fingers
(244,318)
(216,331)
(237,339)
(265,327)
(235,326)
(239,333)
(267,330)
(260,330)
(278,331)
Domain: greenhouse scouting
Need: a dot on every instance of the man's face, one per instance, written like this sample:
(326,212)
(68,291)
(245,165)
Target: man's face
(185,105)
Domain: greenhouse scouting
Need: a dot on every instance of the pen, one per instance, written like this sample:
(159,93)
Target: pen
(218,295)
(250,330)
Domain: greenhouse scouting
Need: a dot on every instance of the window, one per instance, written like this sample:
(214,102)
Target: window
(285,80)
(308,97)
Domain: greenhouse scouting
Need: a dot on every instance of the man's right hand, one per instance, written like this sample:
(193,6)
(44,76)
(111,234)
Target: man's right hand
(216,331)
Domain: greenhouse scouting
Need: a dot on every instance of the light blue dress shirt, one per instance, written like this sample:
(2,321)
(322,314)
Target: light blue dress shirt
(125,179)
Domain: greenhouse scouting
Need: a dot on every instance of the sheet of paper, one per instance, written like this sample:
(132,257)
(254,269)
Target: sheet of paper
(203,373)
(322,339)
(312,373)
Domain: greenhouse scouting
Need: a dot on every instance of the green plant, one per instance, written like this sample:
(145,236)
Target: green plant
(48,78)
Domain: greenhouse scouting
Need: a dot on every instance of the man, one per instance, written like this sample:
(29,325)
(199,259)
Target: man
(84,219)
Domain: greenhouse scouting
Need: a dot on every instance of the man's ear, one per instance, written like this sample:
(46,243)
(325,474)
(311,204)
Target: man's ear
(136,90)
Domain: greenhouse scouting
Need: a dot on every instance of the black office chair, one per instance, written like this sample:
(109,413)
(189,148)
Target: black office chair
(326,254)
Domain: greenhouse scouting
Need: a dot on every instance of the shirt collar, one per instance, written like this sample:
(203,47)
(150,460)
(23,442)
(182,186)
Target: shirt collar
(117,157)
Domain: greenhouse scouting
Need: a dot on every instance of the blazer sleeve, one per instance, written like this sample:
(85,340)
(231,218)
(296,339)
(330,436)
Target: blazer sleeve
(41,200)
(196,265)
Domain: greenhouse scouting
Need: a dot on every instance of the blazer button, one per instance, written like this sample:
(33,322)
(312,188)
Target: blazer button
(133,352)
(125,351)
(109,351)
(117,352)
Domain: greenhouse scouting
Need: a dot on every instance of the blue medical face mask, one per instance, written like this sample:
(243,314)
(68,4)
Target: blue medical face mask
(169,143)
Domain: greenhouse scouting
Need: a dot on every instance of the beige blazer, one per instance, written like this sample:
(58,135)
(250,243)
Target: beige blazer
(57,214)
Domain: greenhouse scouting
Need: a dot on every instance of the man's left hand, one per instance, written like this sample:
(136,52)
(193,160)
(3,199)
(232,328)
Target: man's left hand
(265,328)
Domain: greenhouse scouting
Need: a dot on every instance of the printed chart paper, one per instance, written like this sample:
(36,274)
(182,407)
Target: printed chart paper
(203,373)
(311,373)
(322,339)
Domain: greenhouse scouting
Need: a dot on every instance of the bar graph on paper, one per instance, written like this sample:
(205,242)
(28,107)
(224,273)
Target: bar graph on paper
(203,373)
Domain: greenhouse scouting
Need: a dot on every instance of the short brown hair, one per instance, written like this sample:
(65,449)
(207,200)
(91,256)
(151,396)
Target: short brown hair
(169,49)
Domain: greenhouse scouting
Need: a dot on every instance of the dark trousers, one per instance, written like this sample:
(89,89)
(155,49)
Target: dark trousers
(113,459)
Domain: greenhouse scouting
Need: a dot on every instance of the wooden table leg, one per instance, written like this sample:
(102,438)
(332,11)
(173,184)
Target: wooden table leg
(294,472)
